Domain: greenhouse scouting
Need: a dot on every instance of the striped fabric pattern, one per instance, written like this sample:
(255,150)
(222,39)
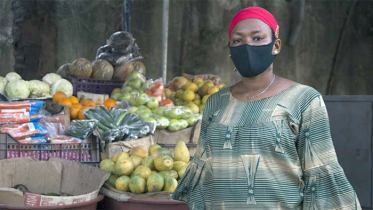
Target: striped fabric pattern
(274,153)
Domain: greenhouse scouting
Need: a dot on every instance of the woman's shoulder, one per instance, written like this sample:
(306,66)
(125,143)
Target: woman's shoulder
(301,96)
(306,90)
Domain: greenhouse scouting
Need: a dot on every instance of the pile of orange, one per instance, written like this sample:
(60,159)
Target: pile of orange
(77,108)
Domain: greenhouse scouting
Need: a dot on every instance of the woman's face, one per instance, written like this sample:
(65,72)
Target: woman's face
(252,32)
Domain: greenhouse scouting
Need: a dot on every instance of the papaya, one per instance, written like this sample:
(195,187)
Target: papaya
(123,167)
(160,151)
(137,184)
(170,184)
(112,179)
(107,165)
(181,152)
(155,183)
(138,151)
(149,161)
(122,183)
(163,163)
(143,171)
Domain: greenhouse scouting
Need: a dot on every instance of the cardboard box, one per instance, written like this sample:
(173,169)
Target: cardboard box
(124,146)
(81,182)
(188,135)
(97,98)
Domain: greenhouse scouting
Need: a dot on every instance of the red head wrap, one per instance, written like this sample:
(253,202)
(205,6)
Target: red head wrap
(258,13)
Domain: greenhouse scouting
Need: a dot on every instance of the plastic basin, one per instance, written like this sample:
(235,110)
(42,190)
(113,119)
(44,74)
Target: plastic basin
(140,204)
(90,205)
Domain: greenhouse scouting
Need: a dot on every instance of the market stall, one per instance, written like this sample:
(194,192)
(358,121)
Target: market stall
(108,114)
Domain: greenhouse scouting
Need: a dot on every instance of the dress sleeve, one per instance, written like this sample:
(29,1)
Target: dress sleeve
(190,188)
(325,183)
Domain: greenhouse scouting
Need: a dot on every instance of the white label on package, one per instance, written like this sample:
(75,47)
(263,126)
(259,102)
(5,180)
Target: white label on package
(13,110)
(31,126)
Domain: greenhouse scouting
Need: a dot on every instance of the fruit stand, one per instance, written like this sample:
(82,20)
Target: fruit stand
(107,114)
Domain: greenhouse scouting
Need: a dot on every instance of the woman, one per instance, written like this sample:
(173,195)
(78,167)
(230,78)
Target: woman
(265,142)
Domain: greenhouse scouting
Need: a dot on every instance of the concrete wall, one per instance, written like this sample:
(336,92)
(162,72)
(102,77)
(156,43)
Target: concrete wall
(333,53)
(198,41)
(6,39)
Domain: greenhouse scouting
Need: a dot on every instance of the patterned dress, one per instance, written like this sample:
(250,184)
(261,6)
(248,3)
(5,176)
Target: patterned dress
(274,153)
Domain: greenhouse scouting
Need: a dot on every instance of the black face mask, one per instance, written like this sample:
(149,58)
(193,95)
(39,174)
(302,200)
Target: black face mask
(250,60)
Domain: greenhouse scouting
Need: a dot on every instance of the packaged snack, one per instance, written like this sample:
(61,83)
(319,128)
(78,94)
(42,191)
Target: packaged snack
(25,117)
(32,140)
(21,131)
(62,139)
(25,106)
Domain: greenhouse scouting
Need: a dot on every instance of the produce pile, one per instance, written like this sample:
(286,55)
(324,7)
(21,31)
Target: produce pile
(14,87)
(192,93)
(141,171)
(114,61)
(146,98)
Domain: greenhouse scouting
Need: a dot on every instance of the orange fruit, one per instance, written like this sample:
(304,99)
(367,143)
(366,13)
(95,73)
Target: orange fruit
(85,101)
(74,111)
(166,102)
(57,96)
(90,104)
(81,112)
(109,103)
(65,102)
(74,100)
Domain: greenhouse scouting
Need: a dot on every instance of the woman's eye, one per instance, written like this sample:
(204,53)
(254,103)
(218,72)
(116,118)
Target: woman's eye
(237,40)
(257,38)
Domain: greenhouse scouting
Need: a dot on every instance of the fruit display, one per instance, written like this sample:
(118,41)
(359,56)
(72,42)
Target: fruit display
(133,89)
(114,61)
(146,98)
(191,93)
(117,125)
(141,171)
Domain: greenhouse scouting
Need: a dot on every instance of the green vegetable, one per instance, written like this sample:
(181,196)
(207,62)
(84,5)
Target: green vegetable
(12,76)
(18,89)
(64,86)
(51,78)
(101,114)
(117,124)
(39,89)
(81,128)
(120,119)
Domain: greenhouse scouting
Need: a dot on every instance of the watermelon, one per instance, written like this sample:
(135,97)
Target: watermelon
(81,67)
(102,69)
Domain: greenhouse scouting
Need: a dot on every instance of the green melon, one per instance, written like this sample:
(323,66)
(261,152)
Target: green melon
(102,69)
(81,67)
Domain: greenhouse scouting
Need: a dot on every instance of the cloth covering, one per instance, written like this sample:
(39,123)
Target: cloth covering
(258,13)
(274,153)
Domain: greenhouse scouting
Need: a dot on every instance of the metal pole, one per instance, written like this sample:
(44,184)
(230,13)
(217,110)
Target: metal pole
(127,15)
(166,5)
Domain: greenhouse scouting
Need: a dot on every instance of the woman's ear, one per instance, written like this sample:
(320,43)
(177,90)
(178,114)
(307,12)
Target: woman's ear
(276,47)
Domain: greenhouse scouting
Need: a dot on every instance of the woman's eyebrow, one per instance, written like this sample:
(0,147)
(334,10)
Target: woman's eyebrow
(252,32)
